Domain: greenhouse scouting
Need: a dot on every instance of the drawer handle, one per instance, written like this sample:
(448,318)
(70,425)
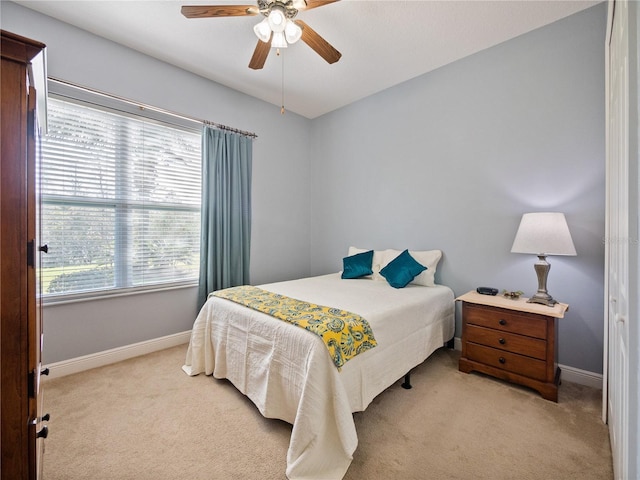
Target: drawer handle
(502,321)
(502,360)
(502,341)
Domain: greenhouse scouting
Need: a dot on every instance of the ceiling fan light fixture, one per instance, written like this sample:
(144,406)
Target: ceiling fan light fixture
(292,32)
(277,29)
(277,19)
(278,40)
(263,31)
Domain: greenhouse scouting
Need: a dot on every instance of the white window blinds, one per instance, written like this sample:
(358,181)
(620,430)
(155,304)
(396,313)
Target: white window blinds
(120,200)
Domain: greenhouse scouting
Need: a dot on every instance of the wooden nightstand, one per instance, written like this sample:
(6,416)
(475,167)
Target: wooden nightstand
(512,340)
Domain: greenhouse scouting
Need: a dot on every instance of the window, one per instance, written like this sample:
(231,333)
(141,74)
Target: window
(120,200)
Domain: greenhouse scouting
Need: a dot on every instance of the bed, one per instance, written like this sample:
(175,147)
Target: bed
(288,374)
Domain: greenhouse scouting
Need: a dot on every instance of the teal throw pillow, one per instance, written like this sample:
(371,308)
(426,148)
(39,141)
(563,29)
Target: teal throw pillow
(401,270)
(358,265)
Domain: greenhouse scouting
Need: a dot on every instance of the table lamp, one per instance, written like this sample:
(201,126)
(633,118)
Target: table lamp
(544,233)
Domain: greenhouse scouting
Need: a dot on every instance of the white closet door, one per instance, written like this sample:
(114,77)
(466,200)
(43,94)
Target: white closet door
(617,394)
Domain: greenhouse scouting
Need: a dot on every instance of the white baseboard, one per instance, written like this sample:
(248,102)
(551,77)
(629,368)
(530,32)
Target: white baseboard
(107,357)
(569,374)
(581,377)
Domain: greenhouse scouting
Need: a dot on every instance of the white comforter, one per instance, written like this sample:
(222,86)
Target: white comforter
(287,371)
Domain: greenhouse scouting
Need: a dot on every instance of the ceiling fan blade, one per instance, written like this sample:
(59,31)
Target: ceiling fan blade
(309,4)
(317,43)
(206,11)
(260,54)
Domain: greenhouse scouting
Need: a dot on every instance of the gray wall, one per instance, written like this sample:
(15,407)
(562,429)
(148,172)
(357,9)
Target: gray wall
(448,160)
(453,158)
(280,231)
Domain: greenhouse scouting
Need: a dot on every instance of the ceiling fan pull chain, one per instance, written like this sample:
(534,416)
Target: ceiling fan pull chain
(282,107)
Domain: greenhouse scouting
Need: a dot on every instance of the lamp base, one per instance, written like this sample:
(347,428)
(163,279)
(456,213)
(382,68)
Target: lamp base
(542,270)
(542,298)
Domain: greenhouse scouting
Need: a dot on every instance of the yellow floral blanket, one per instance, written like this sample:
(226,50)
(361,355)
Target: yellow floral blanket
(344,333)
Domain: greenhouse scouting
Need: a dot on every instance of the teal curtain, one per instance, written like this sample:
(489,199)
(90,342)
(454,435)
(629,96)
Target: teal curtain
(225,238)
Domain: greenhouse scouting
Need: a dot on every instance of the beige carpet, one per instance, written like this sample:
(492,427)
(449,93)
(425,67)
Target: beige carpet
(145,419)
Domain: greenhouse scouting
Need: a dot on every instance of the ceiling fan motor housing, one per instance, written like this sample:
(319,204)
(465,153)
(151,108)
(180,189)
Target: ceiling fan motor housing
(287,8)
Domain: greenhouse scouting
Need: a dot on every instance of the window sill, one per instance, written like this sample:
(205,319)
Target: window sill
(105,295)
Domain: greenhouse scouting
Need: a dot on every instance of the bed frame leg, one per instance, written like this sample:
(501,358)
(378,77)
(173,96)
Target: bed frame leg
(407,382)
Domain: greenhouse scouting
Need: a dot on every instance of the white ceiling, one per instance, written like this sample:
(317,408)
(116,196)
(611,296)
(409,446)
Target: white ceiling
(383,43)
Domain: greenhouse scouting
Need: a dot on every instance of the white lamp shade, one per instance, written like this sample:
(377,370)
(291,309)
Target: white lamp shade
(263,30)
(278,40)
(545,233)
(277,20)
(292,32)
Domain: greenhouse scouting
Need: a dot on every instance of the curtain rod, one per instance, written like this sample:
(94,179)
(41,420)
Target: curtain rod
(156,109)
(230,129)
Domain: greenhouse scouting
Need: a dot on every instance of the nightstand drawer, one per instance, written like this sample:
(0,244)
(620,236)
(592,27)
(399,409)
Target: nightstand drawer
(507,321)
(511,362)
(531,347)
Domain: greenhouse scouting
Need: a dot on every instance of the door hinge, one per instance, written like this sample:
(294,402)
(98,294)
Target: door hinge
(31,253)
(32,384)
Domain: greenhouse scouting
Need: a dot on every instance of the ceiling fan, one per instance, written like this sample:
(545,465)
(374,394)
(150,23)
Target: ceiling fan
(278,27)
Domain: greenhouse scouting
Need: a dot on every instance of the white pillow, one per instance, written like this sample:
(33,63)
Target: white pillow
(428,258)
(376,264)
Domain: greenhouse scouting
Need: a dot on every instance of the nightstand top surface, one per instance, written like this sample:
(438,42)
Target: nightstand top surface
(520,304)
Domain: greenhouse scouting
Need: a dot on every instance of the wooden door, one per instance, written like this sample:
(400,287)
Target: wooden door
(618,239)
(40,430)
